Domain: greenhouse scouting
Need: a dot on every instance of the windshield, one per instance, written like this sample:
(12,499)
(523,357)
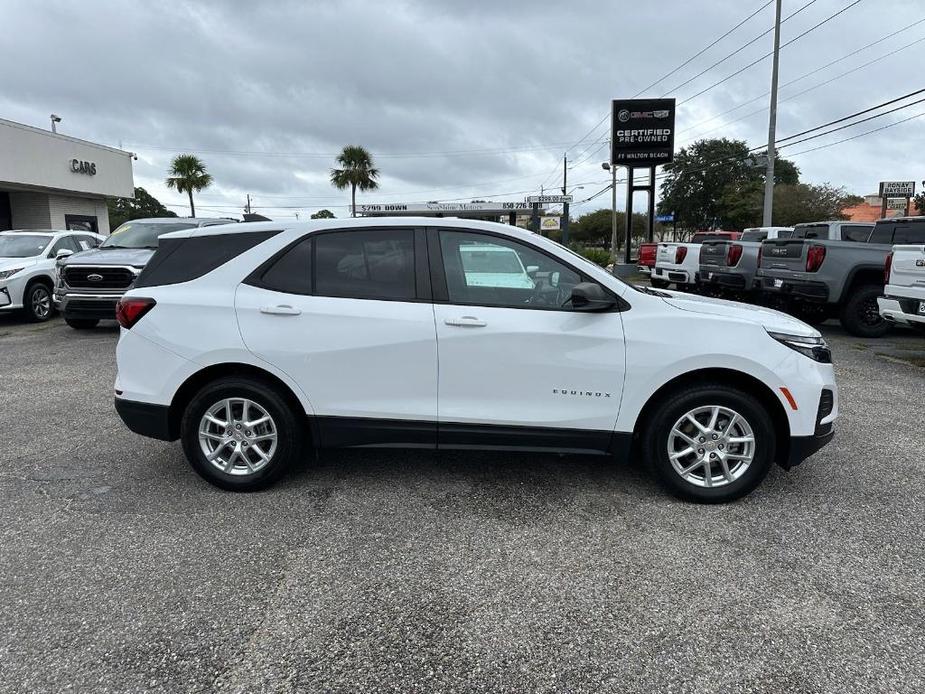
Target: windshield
(141,234)
(23,245)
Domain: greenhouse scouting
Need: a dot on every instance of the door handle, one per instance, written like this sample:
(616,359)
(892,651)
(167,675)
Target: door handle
(466,322)
(281,310)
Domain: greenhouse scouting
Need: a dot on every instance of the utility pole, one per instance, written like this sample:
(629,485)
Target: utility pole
(772,126)
(613,211)
(564,172)
(247,208)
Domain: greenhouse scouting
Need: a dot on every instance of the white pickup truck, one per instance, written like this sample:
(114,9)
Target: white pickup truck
(679,263)
(903,300)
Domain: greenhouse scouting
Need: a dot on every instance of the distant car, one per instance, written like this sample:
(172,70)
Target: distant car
(89,286)
(728,267)
(817,278)
(646,261)
(247,341)
(903,300)
(678,263)
(27,267)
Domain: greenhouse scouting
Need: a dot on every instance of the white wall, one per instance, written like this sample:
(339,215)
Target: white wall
(60,205)
(30,211)
(34,157)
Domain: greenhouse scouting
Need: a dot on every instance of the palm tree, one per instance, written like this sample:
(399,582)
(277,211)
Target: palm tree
(188,173)
(357,172)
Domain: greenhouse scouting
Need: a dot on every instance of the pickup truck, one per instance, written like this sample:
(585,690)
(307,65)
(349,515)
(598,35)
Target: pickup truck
(646,260)
(90,284)
(903,300)
(818,278)
(731,268)
(679,263)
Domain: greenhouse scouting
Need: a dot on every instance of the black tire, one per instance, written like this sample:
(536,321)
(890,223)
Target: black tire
(289,426)
(659,284)
(37,303)
(860,314)
(656,439)
(82,323)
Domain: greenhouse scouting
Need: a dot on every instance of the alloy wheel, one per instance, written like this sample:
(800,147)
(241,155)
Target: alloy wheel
(711,446)
(238,436)
(41,302)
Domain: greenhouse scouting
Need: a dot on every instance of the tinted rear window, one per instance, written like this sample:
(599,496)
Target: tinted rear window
(882,233)
(292,271)
(857,233)
(909,234)
(754,236)
(811,231)
(185,259)
(365,264)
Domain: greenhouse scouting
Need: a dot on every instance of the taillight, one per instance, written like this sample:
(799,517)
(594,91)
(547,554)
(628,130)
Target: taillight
(814,257)
(887,266)
(760,249)
(130,310)
(680,254)
(733,255)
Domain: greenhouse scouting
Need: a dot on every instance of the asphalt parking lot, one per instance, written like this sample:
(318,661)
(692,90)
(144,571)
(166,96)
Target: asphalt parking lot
(404,571)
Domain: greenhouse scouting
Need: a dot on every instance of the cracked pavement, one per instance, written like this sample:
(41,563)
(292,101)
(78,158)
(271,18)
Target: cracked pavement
(375,571)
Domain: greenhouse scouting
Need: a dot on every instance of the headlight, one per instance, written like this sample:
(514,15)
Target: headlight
(9,273)
(813,347)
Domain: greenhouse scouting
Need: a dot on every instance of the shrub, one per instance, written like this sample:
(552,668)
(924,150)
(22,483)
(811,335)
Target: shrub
(595,255)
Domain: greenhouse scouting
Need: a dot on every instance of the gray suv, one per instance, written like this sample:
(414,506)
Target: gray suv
(89,284)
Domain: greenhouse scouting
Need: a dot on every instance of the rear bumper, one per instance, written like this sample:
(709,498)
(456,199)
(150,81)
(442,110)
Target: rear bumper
(146,419)
(678,276)
(644,269)
(730,280)
(900,310)
(802,289)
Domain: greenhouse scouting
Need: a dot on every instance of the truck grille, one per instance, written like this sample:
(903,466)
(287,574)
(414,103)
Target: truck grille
(85,277)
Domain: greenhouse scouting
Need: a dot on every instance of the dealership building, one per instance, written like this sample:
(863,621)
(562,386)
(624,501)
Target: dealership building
(53,181)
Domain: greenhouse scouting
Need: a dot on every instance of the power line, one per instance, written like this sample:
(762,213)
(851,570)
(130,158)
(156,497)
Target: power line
(738,50)
(767,55)
(813,72)
(855,137)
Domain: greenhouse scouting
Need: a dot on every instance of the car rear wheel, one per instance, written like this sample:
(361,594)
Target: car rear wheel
(37,303)
(82,323)
(241,434)
(860,314)
(709,443)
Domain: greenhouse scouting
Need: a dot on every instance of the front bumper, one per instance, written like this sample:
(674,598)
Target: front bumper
(92,306)
(900,310)
(802,289)
(801,447)
(146,419)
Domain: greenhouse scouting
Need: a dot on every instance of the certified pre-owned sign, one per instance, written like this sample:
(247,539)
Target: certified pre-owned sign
(643,132)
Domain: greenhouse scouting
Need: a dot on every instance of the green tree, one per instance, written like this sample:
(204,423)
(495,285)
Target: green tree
(188,174)
(323,214)
(810,203)
(357,171)
(142,205)
(919,202)
(595,228)
(714,183)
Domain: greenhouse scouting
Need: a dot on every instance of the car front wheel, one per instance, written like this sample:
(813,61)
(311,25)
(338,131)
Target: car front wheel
(709,443)
(37,303)
(241,434)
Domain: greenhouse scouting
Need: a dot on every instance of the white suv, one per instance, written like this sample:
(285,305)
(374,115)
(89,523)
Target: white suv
(251,341)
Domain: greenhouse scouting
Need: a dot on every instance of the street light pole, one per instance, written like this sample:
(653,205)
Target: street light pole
(54,121)
(772,126)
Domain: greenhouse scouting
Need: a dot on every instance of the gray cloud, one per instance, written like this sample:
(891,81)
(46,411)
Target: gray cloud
(434,77)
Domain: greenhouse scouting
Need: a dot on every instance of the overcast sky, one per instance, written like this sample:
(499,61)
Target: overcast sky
(455,99)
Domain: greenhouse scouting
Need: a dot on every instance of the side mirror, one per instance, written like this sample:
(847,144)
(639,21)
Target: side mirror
(64,253)
(532,269)
(589,296)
